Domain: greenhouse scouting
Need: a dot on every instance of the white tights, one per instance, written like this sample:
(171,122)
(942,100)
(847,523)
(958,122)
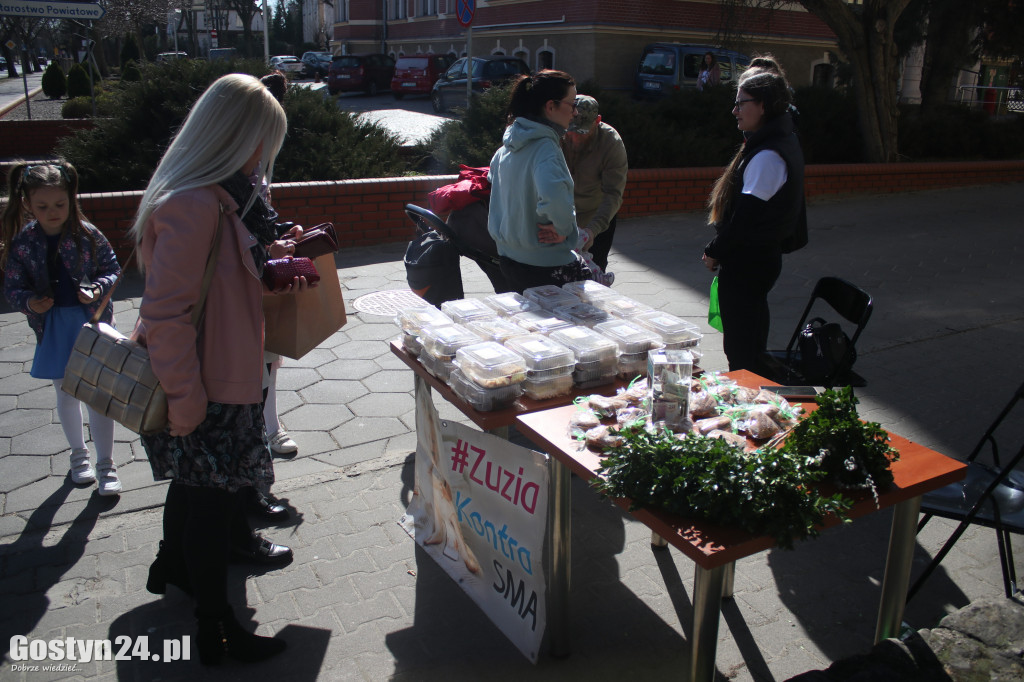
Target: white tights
(270,418)
(69,411)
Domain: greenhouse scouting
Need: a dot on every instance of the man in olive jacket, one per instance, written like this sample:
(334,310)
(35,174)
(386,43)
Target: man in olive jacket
(596,158)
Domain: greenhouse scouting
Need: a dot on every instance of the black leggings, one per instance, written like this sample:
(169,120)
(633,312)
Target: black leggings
(200,525)
(744,281)
(603,244)
(521,276)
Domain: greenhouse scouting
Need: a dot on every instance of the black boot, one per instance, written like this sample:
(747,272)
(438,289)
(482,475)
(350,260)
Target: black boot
(221,635)
(165,569)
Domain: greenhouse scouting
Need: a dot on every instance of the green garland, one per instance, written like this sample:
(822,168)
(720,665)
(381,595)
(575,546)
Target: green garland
(766,492)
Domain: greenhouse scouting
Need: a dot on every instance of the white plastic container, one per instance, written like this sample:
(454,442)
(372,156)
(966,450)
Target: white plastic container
(438,367)
(510,303)
(495,328)
(622,306)
(669,373)
(632,338)
(540,321)
(412,320)
(550,297)
(483,399)
(632,365)
(411,344)
(542,389)
(443,341)
(583,314)
(588,290)
(465,309)
(587,344)
(540,353)
(676,333)
(490,364)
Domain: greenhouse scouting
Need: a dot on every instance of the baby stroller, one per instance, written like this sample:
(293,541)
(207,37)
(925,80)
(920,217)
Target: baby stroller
(432,257)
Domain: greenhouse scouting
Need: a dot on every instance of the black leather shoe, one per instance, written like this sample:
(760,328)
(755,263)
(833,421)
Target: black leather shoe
(260,550)
(267,506)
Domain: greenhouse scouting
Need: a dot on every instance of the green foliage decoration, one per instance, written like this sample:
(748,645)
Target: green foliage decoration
(852,453)
(472,139)
(54,82)
(81,107)
(764,492)
(78,82)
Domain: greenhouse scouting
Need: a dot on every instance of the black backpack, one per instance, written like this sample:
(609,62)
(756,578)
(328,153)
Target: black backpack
(432,268)
(823,346)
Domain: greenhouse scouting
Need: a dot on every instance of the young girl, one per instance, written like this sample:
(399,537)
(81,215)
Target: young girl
(57,269)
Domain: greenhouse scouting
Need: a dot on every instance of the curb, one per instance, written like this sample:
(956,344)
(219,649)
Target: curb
(18,102)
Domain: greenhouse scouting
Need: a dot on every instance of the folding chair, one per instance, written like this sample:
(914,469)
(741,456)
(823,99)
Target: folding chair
(849,301)
(991,496)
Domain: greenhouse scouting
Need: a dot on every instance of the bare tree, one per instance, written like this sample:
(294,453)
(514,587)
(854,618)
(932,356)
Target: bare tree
(246,10)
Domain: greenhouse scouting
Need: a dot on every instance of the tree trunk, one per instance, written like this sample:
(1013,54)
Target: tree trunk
(947,46)
(865,35)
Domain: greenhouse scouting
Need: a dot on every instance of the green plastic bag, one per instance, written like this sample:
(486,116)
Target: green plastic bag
(714,313)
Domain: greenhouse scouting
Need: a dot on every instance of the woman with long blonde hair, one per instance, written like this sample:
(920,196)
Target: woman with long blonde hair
(214,444)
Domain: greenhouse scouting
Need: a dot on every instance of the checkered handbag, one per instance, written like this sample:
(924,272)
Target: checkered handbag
(112,374)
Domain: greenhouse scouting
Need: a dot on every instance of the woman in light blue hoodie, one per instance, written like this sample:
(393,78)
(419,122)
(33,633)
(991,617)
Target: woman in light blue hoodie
(532,218)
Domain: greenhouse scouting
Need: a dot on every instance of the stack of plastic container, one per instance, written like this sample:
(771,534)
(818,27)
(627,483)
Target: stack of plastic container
(413,320)
(550,297)
(465,309)
(440,345)
(488,376)
(589,291)
(675,333)
(510,303)
(582,314)
(596,355)
(549,365)
(495,328)
(540,321)
(634,342)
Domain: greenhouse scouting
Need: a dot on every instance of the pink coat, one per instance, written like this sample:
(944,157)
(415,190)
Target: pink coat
(225,366)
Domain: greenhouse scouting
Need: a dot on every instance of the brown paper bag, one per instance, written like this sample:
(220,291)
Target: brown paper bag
(298,323)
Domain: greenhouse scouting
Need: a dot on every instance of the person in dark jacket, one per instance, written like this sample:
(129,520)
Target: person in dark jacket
(758,212)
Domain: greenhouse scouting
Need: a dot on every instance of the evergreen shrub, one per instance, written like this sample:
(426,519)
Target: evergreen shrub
(78,82)
(54,82)
(131,72)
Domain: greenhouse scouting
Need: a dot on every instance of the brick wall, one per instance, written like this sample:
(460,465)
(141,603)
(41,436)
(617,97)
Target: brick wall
(32,138)
(368,212)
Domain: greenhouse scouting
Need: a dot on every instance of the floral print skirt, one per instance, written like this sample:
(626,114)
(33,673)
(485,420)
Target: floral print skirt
(228,450)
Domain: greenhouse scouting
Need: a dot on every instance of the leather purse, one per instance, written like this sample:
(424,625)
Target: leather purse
(279,272)
(113,375)
(317,241)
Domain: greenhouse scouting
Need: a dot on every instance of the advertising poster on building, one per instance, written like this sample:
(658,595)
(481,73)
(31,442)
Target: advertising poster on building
(479,509)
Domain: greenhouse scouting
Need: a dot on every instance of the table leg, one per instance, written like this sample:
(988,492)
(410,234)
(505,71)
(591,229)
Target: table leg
(728,580)
(500,432)
(658,542)
(897,569)
(560,532)
(707,607)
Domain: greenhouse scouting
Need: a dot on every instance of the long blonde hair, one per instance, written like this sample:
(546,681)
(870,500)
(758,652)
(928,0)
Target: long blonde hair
(222,131)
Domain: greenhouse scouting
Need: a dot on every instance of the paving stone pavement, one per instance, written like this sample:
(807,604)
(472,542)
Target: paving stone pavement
(942,353)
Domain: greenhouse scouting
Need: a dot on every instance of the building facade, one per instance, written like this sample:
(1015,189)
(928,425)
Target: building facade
(599,40)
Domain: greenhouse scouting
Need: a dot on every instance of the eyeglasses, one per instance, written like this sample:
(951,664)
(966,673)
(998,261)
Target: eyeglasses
(738,104)
(571,103)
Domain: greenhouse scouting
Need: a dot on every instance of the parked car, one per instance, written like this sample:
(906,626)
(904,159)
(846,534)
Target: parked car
(287,64)
(170,56)
(316,63)
(450,89)
(367,72)
(222,53)
(418,73)
(667,67)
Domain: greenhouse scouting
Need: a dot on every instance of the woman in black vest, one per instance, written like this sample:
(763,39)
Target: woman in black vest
(757,210)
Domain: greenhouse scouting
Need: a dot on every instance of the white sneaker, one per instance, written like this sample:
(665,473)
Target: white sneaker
(109,483)
(81,469)
(282,443)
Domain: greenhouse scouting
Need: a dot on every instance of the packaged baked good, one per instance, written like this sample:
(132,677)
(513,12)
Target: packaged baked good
(631,338)
(605,406)
(411,344)
(622,306)
(586,344)
(630,415)
(733,438)
(702,405)
(412,320)
(439,367)
(510,303)
(588,290)
(709,424)
(549,297)
(631,366)
(760,426)
(601,438)
(541,353)
(442,341)
(675,332)
(495,328)
(582,314)
(581,421)
(481,398)
(490,364)
(548,387)
(465,309)
(540,321)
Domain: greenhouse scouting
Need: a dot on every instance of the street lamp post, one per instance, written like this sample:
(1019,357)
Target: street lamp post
(177,13)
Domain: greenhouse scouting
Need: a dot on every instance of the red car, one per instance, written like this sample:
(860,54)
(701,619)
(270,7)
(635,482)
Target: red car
(416,74)
(367,72)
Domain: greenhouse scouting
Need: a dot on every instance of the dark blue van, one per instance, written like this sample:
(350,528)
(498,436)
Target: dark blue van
(667,67)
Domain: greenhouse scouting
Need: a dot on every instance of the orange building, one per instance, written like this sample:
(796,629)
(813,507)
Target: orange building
(591,39)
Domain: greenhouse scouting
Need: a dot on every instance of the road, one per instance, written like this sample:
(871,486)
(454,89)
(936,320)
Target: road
(413,118)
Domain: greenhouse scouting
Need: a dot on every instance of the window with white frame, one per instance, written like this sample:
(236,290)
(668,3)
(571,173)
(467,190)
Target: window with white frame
(399,9)
(341,10)
(545,59)
(426,8)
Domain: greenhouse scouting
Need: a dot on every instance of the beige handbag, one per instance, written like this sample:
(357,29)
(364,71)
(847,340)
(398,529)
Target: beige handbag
(112,374)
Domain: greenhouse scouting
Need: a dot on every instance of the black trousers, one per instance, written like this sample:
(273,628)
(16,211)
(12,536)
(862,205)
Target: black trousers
(521,276)
(744,281)
(603,244)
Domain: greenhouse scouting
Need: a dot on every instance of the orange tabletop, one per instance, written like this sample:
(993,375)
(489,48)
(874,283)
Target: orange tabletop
(919,470)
